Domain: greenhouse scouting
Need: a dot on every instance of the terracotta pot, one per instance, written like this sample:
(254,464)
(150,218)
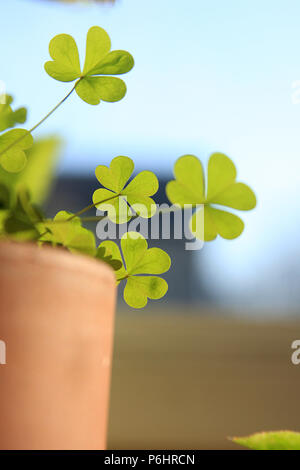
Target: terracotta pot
(56,319)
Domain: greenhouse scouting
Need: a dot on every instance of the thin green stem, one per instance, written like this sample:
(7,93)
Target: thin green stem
(40,122)
(43,234)
(96,218)
(100,217)
(87,208)
(77,214)
(83,219)
(53,110)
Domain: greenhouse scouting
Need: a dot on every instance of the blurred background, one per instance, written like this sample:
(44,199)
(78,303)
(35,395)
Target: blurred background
(212,359)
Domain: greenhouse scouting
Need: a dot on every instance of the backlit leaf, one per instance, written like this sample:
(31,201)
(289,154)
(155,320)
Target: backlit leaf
(37,175)
(116,176)
(94,89)
(227,225)
(126,200)
(65,65)
(70,234)
(138,259)
(221,173)
(110,254)
(91,86)
(98,45)
(139,288)
(23,218)
(237,196)
(12,145)
(114,63)
(188,188)
(8,117)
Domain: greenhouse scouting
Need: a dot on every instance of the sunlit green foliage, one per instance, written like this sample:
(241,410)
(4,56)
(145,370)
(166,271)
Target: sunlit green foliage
(221,189)
(94,81)
(8,117)
(13,143)
(120,201)
(27,170)
(12,149)
(137,261)
(108,258)
(38,174)
(68,232)
(274,440)
(22,217)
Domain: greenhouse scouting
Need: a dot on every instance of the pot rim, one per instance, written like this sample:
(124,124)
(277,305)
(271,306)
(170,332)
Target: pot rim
(32,253)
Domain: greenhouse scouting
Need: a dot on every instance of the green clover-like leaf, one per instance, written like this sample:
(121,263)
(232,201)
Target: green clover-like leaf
(22,218)
(65,66)
(8,117)
(188,188)
(121,201)
(36,177)
(138,261)
(108,258)
(12,145)
(67,232)
(277,440)
(91,85)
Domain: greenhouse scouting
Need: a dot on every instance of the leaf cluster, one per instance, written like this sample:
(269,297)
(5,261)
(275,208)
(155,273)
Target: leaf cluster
(14,142)
(221,189)
(27,167)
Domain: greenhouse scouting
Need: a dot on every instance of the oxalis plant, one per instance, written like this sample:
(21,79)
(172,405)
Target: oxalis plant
(121,197)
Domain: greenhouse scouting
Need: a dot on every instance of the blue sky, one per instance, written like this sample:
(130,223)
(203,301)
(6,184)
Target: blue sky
(209,76)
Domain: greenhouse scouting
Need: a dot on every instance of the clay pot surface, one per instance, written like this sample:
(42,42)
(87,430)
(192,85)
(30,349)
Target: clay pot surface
(56,319)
